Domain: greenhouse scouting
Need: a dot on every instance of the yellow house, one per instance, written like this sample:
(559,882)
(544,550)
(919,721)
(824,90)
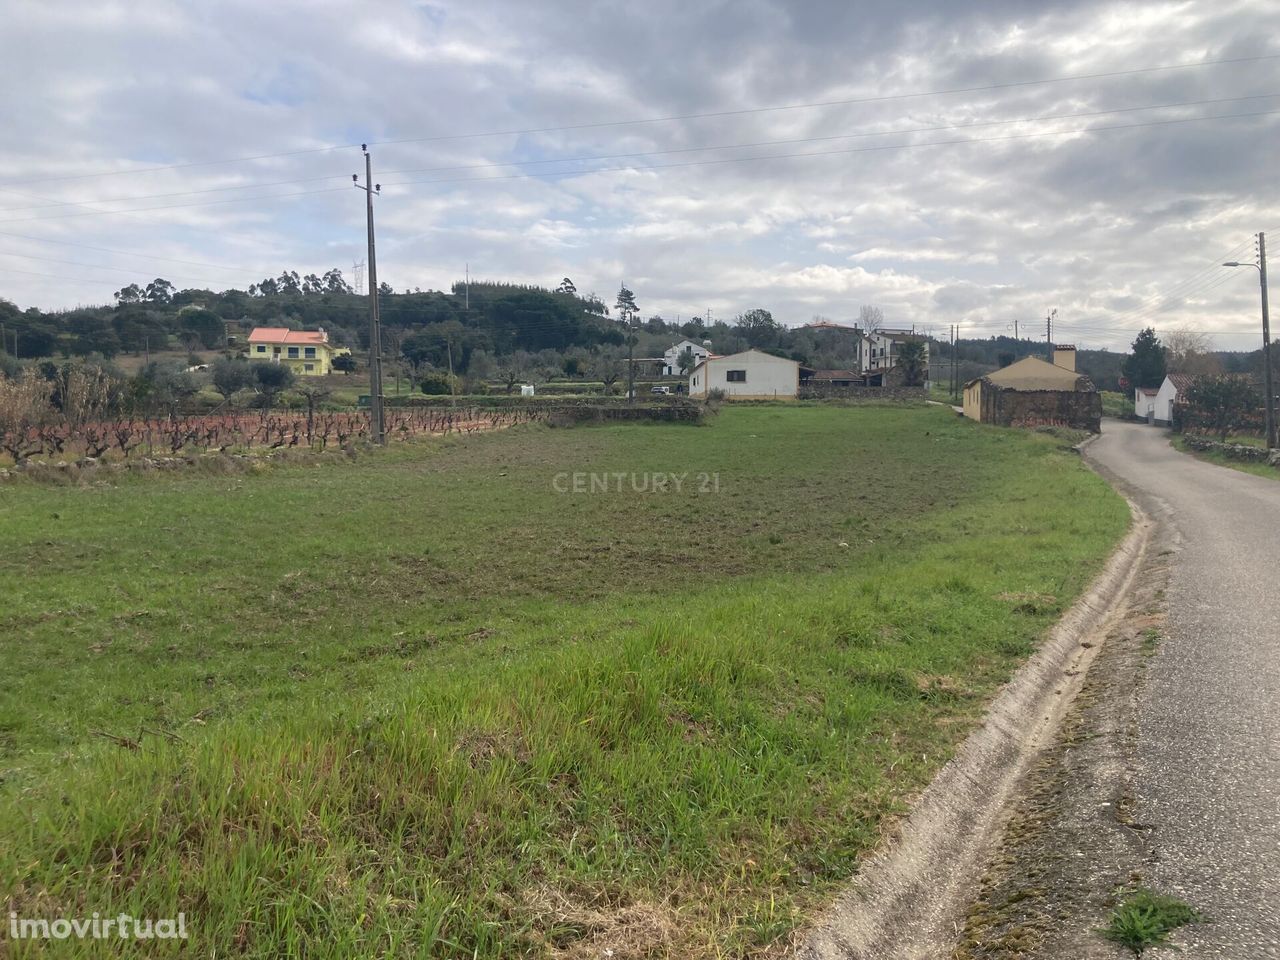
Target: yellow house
(308,352)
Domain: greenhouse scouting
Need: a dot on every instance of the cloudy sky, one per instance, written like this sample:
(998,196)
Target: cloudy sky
(948,161)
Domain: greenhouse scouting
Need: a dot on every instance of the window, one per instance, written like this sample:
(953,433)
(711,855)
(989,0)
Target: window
(261,348)
(736,376)
(309,352)
(308,367)
(293,352)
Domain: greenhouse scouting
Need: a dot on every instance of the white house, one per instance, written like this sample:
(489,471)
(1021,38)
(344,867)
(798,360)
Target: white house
(671,359)
(750,375)
(878,349)
(1156,406)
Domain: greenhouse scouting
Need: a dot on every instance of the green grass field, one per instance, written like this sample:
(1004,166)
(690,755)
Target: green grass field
(1116,404)
(423,704)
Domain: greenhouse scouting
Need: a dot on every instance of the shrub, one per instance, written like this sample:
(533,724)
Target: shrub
(437,384)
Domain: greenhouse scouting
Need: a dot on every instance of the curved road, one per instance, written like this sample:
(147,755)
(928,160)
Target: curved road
(1209,712)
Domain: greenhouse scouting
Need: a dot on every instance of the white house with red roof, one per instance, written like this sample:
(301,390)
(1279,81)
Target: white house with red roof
(308,352)
(1157,405)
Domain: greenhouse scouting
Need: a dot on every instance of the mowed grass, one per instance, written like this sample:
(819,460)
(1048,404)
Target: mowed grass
(422,704)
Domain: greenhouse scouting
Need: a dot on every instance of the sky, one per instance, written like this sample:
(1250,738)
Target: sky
(950,162)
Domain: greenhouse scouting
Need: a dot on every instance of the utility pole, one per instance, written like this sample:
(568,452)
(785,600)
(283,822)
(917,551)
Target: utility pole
(631,363)
(377,422)
(955,365)
(1266,343)
(453,393)
(1269,401)
(1048,330)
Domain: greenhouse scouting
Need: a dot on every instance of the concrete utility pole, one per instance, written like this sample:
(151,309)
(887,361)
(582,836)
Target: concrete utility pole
(377,420)
(955,361)
(1048,330)
(631,364)
(1269,401)
(1266,343)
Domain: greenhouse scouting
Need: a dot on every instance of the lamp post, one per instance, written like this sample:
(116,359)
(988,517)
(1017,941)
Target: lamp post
(1270,399)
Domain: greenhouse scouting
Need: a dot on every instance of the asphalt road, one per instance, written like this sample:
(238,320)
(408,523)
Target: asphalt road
(1208,716)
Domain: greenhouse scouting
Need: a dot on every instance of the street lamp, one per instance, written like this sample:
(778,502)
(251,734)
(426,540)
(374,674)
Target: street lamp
(1270,399)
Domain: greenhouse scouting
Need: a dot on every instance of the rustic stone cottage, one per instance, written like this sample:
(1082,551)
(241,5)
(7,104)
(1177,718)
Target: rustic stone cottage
(1033,393)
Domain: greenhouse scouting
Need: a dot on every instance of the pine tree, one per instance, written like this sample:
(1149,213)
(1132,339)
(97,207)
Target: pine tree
(1145,366)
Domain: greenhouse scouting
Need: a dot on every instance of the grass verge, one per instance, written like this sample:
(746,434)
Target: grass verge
(1222,460)
(425,704)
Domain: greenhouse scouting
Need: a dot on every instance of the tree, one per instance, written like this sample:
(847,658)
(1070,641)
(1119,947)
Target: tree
(627,312)
(607,370)
(290,282)
(205,326)
(1005,358)
(686,360)
(1145,366)
(130,294)
(164,384)
(312,393)
(270,379)
(870,319)
(1223,403)
(230,377)
(510,377)
(311,285)
(1190,351)
(159,291)
(344,362)
(912,360)
(566,286)
(758,328)
(333,282)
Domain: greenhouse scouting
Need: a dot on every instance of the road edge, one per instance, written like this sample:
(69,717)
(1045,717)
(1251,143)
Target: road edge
(909,899)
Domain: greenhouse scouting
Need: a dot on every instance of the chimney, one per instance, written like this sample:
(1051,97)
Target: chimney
(1064,355)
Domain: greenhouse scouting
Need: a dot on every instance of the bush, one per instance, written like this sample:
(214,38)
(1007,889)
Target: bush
(437,384)
(270,379)
(1222,403)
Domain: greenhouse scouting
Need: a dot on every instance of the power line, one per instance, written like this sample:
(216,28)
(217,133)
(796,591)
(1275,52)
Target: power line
(197,192)
(93,266)
(841,136)
(175,206)
(746,111)
(843,152)
(885,98)
(126,253)
(666,152)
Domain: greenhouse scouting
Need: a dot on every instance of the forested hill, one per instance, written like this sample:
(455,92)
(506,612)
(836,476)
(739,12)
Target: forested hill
(495,317)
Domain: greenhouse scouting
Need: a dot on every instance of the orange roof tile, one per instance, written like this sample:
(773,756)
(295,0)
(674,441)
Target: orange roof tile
(285,335)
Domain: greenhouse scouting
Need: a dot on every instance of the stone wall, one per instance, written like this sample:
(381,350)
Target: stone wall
(825,391)
(1077,409)
(1244,452)
(574,414)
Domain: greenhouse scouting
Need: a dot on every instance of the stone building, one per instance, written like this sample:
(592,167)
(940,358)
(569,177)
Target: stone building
(1032,393)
